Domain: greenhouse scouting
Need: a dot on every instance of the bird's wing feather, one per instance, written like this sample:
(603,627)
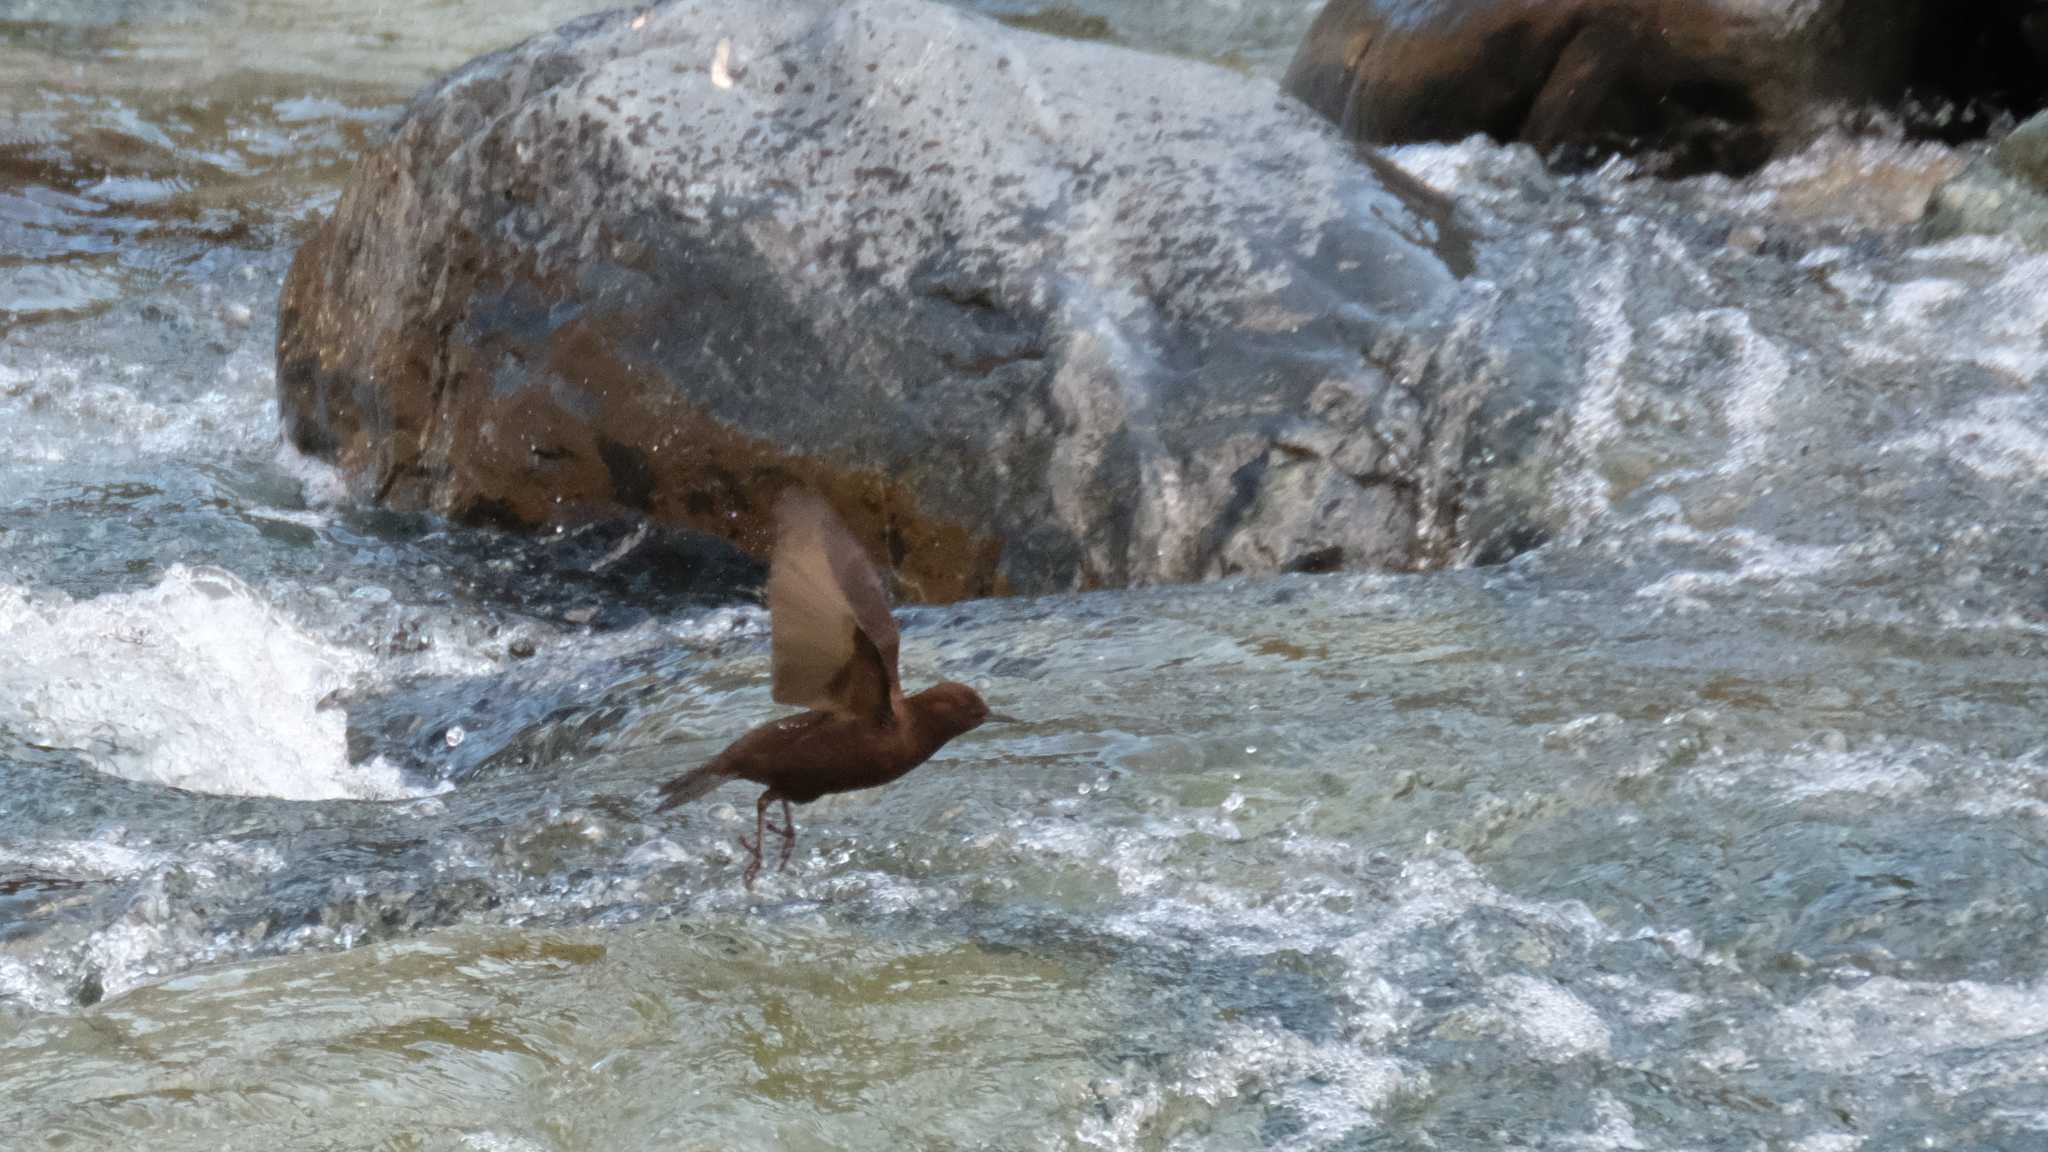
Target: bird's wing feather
(834,640)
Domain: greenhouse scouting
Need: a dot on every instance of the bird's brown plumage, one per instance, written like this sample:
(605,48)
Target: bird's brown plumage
(834,641)
(833,651)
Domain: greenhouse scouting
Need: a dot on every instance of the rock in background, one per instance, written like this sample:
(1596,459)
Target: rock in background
(2003,193)
(1692,85)
(1035,314)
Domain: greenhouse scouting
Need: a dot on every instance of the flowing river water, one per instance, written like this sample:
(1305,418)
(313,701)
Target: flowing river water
(1718,822)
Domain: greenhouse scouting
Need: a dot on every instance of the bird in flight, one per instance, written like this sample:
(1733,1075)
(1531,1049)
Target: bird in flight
(833,653)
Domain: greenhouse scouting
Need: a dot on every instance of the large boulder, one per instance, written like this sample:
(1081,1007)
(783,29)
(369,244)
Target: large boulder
(1691,84)
(1037,314)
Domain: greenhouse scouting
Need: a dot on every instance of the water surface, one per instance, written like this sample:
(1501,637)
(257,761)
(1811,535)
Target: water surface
(1717,822)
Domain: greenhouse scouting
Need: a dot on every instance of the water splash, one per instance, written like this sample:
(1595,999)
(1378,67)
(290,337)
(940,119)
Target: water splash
(196,683)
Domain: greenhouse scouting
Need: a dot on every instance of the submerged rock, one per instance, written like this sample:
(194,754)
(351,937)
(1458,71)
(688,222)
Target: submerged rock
(1695,84)
(1037,313)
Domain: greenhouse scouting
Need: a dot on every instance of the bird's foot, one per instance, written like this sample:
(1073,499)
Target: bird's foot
(788,831)
(753,848)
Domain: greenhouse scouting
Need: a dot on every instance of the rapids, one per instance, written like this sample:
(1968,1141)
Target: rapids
(1715,822)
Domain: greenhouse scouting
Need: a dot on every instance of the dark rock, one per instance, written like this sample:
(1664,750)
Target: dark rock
(34,885)
(1694,85)
(1036,314)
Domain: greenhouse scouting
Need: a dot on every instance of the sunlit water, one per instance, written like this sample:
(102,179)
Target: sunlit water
(1718,822)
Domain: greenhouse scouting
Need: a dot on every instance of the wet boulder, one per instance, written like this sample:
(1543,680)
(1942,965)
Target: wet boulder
(2023,154)
(1690,85)
(2002,194)
(1035,313)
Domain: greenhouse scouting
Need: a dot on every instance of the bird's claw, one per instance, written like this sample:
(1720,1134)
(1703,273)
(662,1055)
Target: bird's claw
(753,848)
(763,826)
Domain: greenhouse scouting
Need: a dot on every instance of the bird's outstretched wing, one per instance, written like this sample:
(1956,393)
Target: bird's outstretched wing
(833,639)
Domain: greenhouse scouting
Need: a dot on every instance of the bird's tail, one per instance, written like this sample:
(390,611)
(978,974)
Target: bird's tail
(690,785)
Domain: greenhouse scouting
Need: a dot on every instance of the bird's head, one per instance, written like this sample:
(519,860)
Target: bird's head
(949,709)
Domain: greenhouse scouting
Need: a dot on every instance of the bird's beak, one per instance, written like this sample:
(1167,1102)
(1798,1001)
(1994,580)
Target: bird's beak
(1000,718)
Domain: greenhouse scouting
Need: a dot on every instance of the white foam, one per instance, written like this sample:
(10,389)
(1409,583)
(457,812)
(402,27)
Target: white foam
(2001,326)
(138,948)
(1721,354)
(2002,789)
(1845,1030)
(1817,773)
(1556,1025)
(1650,1006)
(22,983)
(1596,418)
(63,408)
(1134,856)
(1922,773)
(2012,333)
(322,484)
(2001,439)
(720,624)
(1333,1089)
(1762,563)
(1384,956)
(499,1142)
(1473,167)
(1971,248)
(1919,303)
(195,683)
(78,859)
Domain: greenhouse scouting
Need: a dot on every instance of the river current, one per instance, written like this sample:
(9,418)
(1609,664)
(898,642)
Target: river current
(1719,821)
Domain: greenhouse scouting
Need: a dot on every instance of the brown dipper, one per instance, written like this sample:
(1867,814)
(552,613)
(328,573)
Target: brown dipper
(833,650)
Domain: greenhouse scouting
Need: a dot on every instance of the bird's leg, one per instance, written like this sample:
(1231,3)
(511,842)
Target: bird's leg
(754,846)
(788,835)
